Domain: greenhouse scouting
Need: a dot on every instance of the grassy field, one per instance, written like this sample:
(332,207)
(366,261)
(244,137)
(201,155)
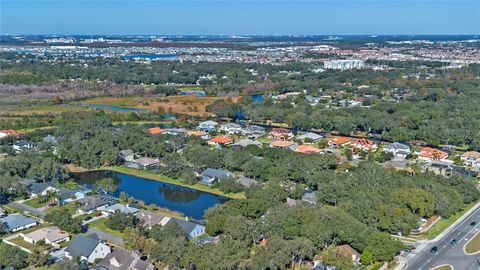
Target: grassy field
(158,177)
(473,246)
(19,241)
(35,203)
(71,207)
(443,267)
(99,224)
(443,224)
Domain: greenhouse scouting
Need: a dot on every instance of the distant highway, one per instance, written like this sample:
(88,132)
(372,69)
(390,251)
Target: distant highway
(450,248)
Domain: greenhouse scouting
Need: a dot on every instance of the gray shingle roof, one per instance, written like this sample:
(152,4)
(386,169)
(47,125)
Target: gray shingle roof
(14,221)
(37,188)
(82,245)
(187,226)
(216,173)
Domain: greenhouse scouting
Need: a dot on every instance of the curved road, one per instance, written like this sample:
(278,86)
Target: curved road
(450,252)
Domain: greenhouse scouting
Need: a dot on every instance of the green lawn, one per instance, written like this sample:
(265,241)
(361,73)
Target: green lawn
(473,245)
(162,178)
(71,207)
(99,224)
(19,241)
(443,224)
(35,203)
(443,267)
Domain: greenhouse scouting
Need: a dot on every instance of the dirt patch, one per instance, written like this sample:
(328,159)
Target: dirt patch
(190,105)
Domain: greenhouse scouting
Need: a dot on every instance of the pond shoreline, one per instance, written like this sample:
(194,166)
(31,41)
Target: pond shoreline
(165,179)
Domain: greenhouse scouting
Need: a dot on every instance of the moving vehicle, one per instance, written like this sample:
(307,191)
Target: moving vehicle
(434,250)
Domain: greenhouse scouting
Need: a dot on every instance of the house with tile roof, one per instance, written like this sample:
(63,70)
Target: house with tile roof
(220,141)
(307,149)
(365,145)
(339,141)
(430,154)
(283,145)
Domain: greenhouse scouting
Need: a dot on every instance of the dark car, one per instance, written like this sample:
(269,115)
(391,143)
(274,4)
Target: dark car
(434,250)
(87,218)
(453,241)
(473,223)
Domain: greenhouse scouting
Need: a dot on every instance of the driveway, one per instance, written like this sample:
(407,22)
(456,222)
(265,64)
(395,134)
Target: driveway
(106,236)
(26,208)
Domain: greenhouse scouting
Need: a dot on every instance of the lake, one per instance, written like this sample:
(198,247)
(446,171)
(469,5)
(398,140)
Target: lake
(193,203)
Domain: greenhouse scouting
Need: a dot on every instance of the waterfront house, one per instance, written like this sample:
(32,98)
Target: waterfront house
(144,163)
(281,134)
(50,235)
(209,176)
(397,149)
(429,154)
(91,203)
(364,145)
(253,131)
(87,247)
(245,181)
(283,145)
(127,155)
(150,219)
(66,195)
(126,209)
(339,141)
(310,137)
(18,222)
(122,259)
(207,126)
(231,128)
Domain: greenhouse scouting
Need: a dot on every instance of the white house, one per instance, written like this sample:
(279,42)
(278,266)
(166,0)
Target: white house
(87,247)
(397,149)
(207,125)
(471,158)
(231,128)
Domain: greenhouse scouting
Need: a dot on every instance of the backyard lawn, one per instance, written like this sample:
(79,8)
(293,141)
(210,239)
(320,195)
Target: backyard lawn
(99,224)
(35,203)
(473,246)
(19,241)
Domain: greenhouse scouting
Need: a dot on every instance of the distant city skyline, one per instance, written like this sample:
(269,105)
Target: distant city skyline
(233,17)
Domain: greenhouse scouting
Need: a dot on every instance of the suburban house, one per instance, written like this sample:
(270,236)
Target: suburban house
(281,134)
(175,131)
(253,131)
(245,181)
(121,259)
(50,235)
(66,195)
(471,158)
(398,149)
(2,213)
(207,126)
(90,204)
(191,229)
(150,219)
(126,209)
(9,133)
(23,146)
(144,163)
(349,251)
(310,197)
(50,140)
(87,247)
(246,142)
(127,155)
(231,128)
(155,131)
(41,189)
(307,149)
(283,145)
(339,141)
(18,222)
(198,133)
(220,141)
(309,137)
(364,145)
(429,154)
(209,176)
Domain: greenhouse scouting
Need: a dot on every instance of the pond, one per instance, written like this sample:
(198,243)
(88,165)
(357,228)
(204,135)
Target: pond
(193,203)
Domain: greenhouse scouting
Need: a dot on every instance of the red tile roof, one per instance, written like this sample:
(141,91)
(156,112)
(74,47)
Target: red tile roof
(221,140)
(307,149)
(433,153)
(155,130)
(282,144)
(340,140)
(11,132)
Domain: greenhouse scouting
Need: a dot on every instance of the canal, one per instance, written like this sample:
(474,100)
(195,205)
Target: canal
(193,203)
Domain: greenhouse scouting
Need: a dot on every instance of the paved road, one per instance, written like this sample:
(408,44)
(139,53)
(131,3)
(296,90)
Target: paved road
(29,209)
(449,253)
(106,236)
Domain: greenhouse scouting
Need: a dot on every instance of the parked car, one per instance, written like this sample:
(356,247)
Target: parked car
(88,218)
(473,223)
(98,214)
(434,250)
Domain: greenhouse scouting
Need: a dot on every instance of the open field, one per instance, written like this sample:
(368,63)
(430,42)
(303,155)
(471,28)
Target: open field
(443,267)
(190,105)
(473,246)
(39,109)
(35,203)
(165,179)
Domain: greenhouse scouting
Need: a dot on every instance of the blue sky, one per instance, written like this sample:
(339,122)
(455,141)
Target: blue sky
(239,17)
